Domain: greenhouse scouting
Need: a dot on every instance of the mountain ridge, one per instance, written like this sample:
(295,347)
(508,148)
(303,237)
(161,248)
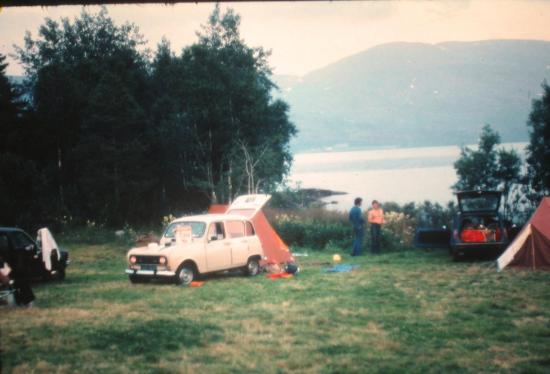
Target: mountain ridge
(418,94)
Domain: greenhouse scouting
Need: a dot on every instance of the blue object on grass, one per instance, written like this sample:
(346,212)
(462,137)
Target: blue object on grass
(340,268)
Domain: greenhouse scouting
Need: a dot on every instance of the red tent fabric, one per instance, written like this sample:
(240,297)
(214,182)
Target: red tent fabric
(531,248)
(217,209)
(276,251)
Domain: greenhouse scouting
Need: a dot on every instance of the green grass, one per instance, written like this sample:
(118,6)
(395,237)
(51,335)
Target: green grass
(410,311)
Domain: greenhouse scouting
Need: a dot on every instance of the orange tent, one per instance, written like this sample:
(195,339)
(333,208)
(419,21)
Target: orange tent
(531,247)
(276,251)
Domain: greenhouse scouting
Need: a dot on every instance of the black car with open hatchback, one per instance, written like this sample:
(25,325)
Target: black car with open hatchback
(477,228)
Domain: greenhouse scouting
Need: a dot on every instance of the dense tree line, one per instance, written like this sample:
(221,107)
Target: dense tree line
(538,150)
(112,133)
(491,168)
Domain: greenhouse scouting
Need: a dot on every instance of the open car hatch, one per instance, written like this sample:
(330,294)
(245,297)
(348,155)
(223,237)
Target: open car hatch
(479,201)
(248,205)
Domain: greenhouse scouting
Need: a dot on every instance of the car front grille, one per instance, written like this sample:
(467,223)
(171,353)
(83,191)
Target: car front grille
(147,260)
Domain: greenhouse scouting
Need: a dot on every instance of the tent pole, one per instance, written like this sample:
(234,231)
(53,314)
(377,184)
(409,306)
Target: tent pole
(533,250)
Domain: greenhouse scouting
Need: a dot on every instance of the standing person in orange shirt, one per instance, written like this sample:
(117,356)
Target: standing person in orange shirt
(376,220)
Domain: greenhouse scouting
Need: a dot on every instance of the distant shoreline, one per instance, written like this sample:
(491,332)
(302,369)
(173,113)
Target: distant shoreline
(401,175)
(316,195)
(336,149)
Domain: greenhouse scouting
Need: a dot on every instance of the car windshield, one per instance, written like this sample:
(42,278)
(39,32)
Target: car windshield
(479,203)
(197,228)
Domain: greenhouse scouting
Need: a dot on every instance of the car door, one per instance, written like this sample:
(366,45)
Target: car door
(24,254)
(239,242)
(5,250)
(218,248)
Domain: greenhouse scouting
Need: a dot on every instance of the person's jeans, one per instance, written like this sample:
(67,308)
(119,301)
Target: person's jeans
(375,237)
(358,234)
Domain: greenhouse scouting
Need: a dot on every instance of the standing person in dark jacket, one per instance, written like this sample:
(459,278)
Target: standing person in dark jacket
(358,223)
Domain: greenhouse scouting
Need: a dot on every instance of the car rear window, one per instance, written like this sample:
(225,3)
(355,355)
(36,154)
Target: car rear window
(21,240)
(479,203)
(196,227)
(249,229)
(235,229)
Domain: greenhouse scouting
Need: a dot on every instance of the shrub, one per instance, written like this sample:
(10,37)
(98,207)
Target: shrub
(319,229)
(315,228)
(93,233)
(398,232)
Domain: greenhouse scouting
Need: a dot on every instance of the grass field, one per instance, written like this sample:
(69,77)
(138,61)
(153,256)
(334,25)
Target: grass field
(410,311)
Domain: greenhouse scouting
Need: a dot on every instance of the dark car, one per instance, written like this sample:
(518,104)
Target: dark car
(23,254)
(477,228)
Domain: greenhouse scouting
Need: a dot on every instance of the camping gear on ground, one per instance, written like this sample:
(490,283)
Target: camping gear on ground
(341,268)
(196,284)
(7,297)
(279,276)
(531,248)
(292,269)
(273,268)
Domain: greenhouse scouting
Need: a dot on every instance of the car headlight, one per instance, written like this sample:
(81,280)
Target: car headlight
(162,260)
(133,259)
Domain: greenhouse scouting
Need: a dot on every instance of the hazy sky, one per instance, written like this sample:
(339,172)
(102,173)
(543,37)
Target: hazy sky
(310,35)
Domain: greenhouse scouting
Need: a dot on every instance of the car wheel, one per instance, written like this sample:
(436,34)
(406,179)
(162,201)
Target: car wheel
(456,256)
(252,267)
(185,275)
(61,274)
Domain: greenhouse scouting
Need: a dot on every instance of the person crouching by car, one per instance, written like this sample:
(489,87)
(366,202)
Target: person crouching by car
(16,280)
(4,271)
(358,223)
(376,220)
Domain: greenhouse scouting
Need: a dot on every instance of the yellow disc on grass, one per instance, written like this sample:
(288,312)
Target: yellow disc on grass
(336,258)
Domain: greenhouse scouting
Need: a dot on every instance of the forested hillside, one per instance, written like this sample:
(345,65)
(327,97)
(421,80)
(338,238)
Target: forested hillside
(107,133)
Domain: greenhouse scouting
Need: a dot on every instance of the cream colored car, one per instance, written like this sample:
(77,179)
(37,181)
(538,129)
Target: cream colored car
(196,245)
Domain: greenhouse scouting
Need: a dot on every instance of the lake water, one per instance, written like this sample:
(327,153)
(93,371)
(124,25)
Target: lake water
(398,174)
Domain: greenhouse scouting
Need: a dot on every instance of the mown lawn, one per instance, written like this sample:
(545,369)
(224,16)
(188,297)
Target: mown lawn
(412,311)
